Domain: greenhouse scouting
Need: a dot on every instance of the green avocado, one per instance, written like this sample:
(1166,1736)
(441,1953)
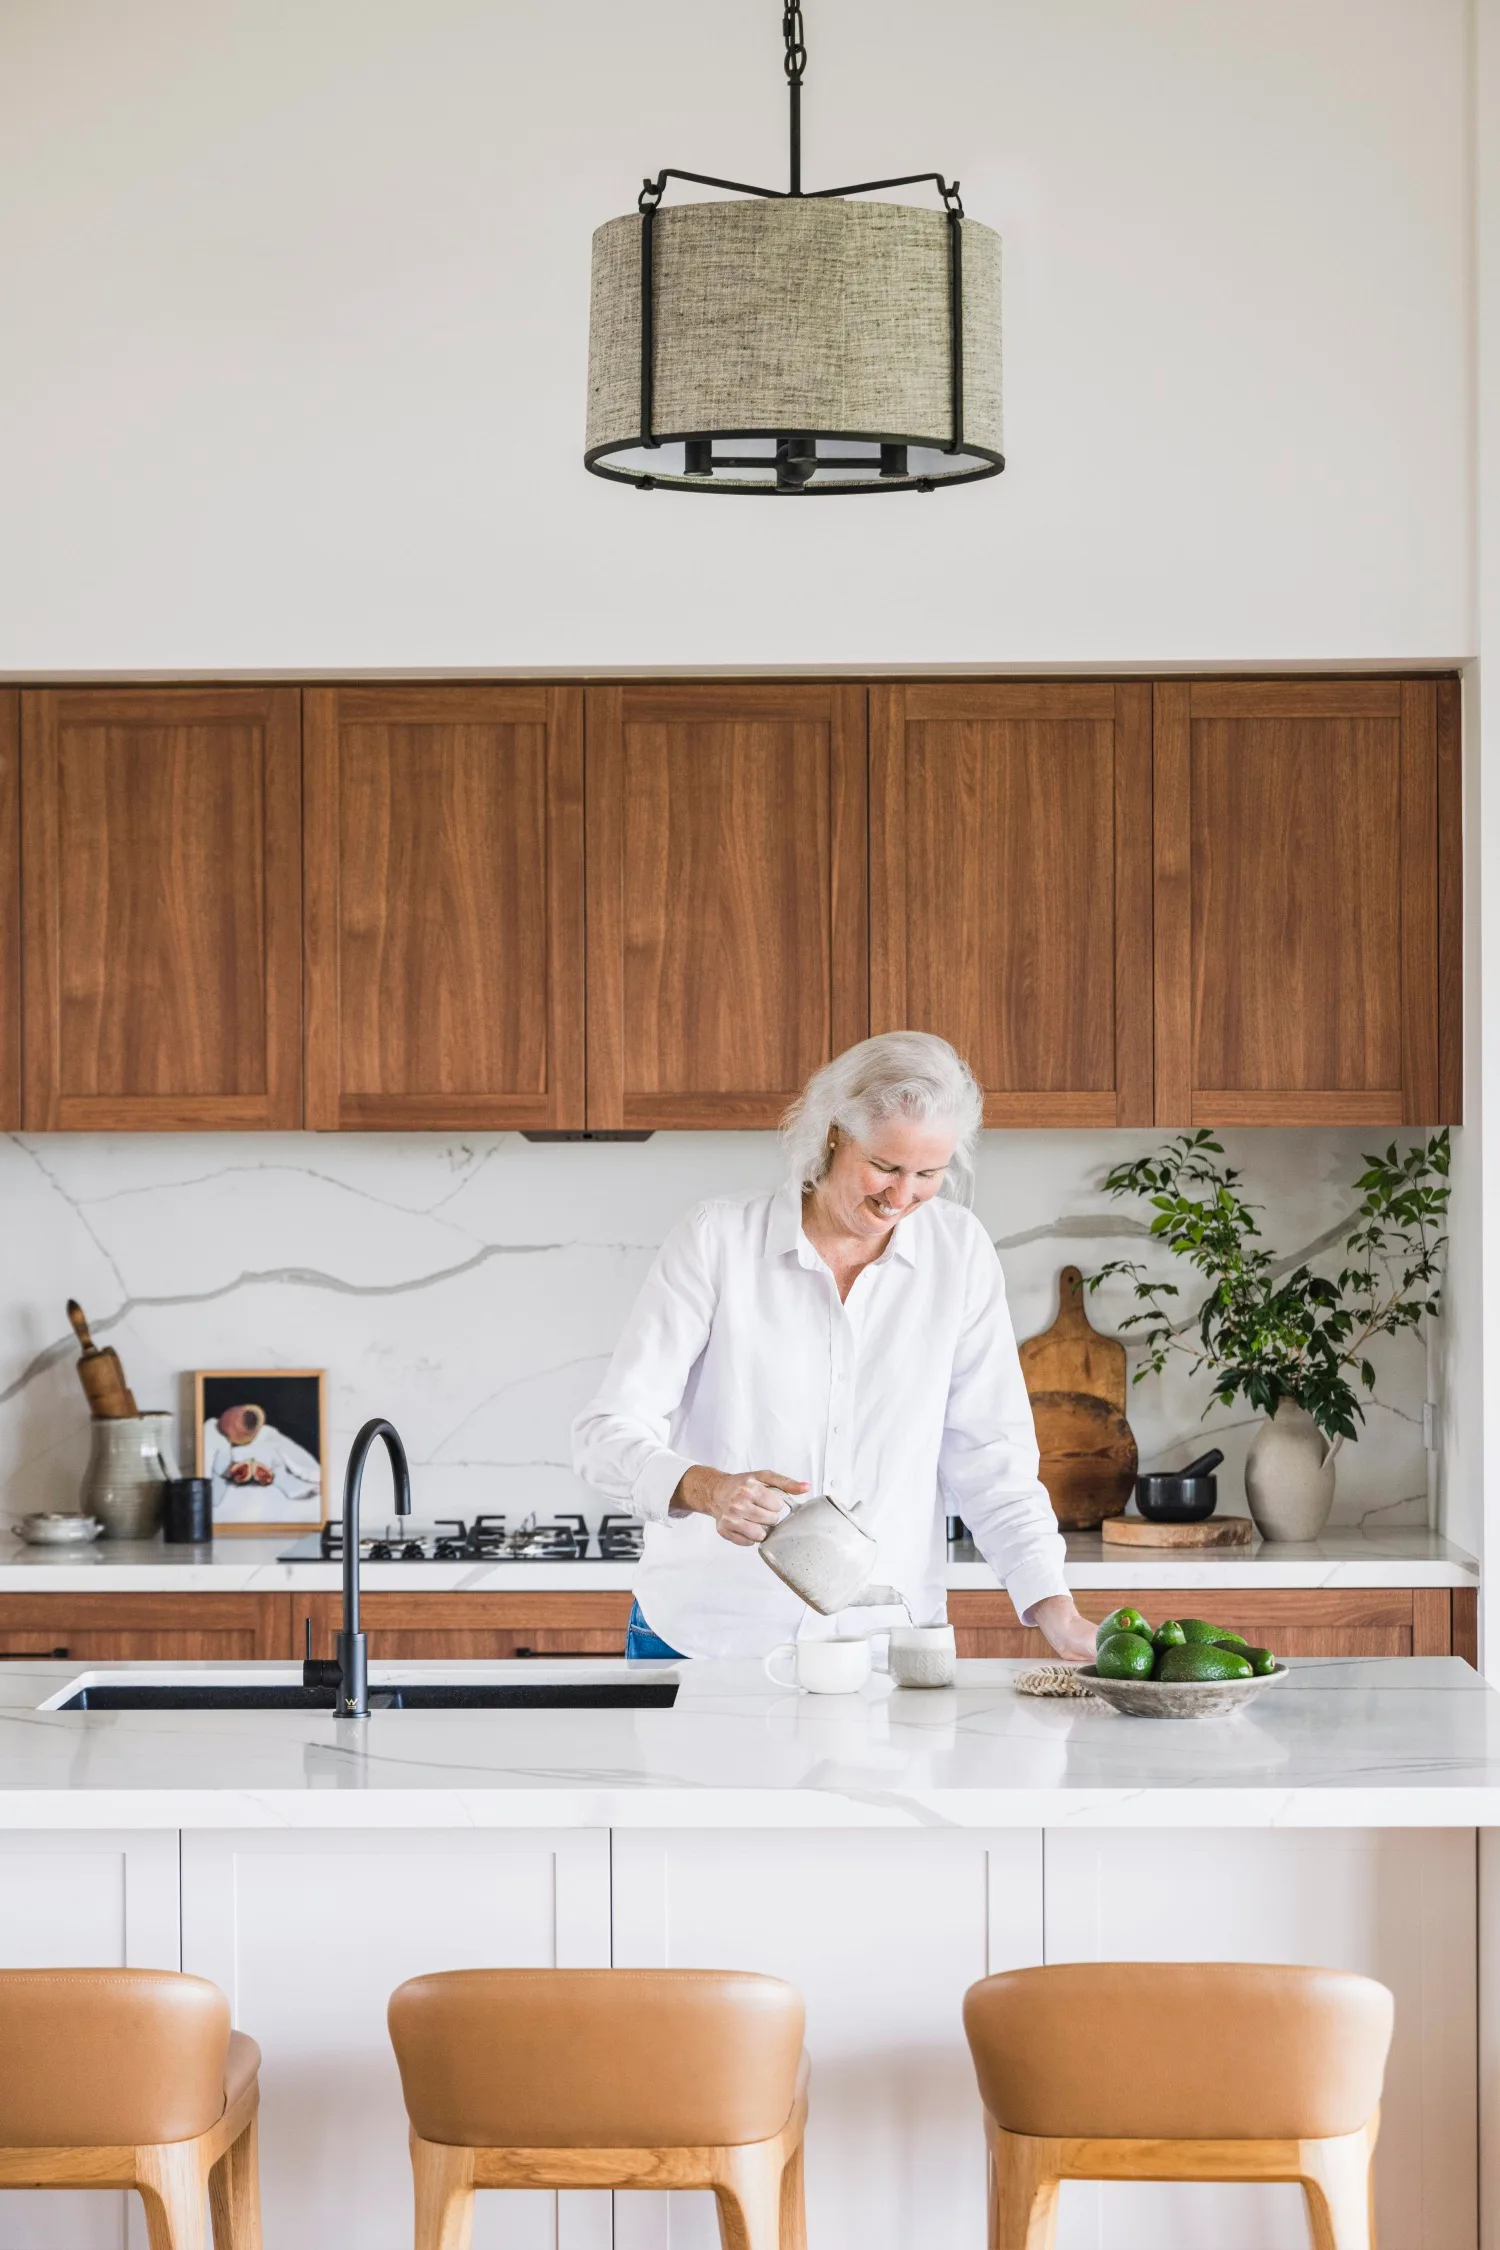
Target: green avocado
(1122,1621)
(1199,1629)
(1169,1634)
(1125,1656)
(1201,1661)
(1259,1660)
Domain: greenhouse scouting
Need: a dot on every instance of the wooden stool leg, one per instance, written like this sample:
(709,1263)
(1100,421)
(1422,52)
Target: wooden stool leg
(443,2184)
(1338,2186)
(172,2187)
(1024,2184)
(748,2191)
(793,2203)
(234,2194)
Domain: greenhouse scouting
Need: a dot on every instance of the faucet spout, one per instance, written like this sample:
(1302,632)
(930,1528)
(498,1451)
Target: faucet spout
(348,1673)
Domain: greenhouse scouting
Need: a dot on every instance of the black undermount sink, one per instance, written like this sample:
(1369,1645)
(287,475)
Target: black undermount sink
(406,1695)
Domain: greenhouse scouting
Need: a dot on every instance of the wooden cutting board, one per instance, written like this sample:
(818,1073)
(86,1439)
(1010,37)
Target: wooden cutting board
(1075,1379)
(1213,1531)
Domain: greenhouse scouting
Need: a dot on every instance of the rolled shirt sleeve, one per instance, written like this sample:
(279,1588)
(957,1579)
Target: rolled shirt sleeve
(987,1463)
(620,1440)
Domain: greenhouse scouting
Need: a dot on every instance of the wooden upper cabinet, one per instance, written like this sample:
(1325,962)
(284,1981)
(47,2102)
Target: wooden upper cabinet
(444,906)
(1308,947)
(162,905)
(1010,880)
(727,924)
(10,910)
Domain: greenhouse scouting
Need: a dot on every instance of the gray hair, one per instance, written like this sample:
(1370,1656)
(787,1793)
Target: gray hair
(900,1074)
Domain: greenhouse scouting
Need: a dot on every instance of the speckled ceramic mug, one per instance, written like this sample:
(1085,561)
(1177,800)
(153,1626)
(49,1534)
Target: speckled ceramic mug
(922,1655)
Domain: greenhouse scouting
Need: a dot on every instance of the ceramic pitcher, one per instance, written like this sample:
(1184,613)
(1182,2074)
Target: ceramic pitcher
(1289,1473)
(122,1484)
(823,1554)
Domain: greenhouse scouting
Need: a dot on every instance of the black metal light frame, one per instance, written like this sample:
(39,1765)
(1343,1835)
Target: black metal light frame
(797,460)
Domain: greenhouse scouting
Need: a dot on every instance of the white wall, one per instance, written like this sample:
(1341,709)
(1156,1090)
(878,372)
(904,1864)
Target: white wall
(294,295)
(473,1289)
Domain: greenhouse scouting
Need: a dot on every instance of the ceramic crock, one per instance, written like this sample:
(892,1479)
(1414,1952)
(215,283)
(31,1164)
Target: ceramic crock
(122,1484)
(1289,1475)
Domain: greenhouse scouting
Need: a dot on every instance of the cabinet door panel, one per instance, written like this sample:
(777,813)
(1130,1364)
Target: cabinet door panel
(309,1935)
(445,907)
(1010,889)
(1297,902)
(726,871)
(1311,1621)
(473,1626)
(120,1628)
(1399,1905)
(881,1933)
(85,1900)
(161,874)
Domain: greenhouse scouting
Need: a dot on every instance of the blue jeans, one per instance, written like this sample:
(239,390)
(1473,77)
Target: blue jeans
(641,1641)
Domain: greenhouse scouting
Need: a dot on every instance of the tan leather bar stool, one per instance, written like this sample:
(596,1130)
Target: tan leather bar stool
(605,2078)
(132,2078)
(1216,2071)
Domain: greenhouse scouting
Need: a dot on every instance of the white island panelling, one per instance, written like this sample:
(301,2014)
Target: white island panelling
(1397,1906)
(85,1901)
(309,1936)
(882,1936)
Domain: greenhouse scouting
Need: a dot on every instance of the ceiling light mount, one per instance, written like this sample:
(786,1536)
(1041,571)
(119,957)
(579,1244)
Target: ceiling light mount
(832,345)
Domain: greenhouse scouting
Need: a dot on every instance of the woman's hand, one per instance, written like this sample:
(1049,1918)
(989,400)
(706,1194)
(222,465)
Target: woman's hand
(745,1505)
(1069,1632)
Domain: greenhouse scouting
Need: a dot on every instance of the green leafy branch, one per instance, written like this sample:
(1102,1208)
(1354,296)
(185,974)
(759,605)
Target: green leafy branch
(1301,1336)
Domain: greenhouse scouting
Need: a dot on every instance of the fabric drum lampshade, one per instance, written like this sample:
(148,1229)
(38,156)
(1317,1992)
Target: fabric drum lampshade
(782,324)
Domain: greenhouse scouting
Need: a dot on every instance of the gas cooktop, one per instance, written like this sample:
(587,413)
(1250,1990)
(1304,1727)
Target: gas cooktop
(486,1539)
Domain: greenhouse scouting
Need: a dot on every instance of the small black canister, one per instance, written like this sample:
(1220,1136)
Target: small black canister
(187,1511)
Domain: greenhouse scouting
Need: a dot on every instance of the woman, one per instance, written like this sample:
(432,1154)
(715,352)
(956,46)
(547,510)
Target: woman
(847,1335)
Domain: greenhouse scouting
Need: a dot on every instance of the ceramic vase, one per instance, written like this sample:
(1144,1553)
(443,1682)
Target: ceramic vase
(1289,1474)
(122,1484)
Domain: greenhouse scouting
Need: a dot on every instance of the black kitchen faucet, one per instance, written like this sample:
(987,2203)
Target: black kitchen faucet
(348,1672)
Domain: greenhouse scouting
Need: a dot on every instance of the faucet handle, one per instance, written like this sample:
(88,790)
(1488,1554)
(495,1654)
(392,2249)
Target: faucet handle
(318,1671)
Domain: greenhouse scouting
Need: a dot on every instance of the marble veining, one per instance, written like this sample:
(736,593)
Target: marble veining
(473,1286)
(1338,1743)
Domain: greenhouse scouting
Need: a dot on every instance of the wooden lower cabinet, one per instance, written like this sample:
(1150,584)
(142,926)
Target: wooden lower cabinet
(1344,1621)
(119,1628)
(136,1628)
(471,1625)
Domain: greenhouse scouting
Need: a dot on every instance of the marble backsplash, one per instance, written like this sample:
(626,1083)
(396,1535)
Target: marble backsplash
(472,1287)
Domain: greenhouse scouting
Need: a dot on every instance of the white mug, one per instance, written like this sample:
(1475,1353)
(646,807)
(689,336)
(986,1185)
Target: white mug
(922,1655)
(822,1667)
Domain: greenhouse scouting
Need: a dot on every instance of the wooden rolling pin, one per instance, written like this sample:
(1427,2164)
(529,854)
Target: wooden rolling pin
(100,1372)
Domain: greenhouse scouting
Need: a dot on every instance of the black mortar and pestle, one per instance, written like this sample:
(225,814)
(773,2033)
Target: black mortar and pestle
(1180,1495)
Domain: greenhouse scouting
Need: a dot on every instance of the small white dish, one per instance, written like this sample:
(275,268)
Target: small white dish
(57,1530)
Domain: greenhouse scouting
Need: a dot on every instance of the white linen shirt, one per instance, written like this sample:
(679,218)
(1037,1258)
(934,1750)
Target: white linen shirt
(907,1400)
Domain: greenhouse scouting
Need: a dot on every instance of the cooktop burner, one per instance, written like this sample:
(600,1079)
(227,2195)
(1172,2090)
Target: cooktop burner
(562,1538)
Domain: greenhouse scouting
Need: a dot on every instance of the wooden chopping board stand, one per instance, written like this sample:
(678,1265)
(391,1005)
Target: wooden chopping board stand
(1075,1379)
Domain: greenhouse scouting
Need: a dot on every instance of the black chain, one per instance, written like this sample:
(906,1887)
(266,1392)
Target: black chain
(794,33)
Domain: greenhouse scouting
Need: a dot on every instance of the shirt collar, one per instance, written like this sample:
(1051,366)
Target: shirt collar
(784,1236)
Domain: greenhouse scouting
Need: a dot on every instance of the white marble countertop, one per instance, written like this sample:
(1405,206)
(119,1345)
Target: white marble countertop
(1342,1557)
(1400,1742)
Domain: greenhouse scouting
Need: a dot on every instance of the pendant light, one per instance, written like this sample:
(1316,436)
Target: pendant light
(797,341)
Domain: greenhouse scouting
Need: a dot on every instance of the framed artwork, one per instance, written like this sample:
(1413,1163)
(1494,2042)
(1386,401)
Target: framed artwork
(261,1437)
